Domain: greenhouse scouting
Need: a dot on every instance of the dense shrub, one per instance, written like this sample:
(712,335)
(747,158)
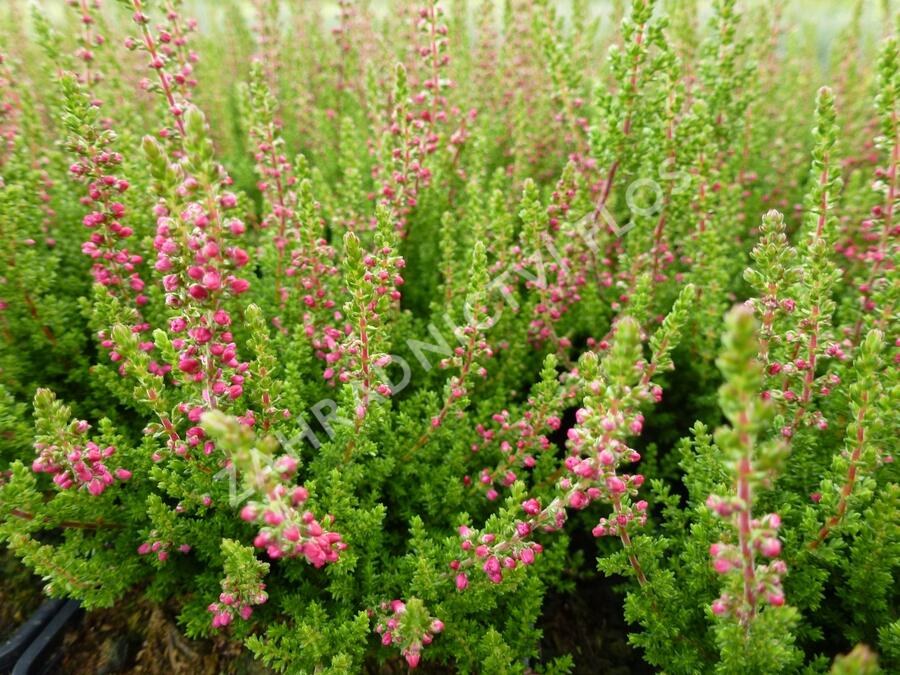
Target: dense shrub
(340,328)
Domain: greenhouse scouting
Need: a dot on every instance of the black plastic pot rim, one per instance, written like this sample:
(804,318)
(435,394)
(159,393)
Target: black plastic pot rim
(19,641)
(27,649)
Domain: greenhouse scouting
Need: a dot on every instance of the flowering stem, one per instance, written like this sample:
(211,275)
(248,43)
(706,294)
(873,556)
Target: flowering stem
(448,402)
(744,530)
(364,364)
(180,39)
(433,47)
(626,543)
(768,318)
(888,224)
(282,217)
(626,125)
(88,38)
(156,63)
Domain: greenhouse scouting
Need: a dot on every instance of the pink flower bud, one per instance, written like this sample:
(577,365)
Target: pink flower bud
(273,518)
(615,484)
(239,286)
(721,565)
(770,547)
(532,507)
(579,500)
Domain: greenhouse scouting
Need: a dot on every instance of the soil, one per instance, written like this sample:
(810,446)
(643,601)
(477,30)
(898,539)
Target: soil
(136,638)
(588,624)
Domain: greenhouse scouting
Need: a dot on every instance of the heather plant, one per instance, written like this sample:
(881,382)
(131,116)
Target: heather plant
(358,334)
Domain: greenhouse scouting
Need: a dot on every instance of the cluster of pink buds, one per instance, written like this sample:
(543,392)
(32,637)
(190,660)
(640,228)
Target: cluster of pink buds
(871,244)
(76,462)
(195,252)
(288,530)
(347,358)
(416,118)
(115,267)
(598,453)
(401,187)
(89,39)
(495,554)
(277,182)
(173,46)
(9,110)
(762,582)
(275,179)
(435,58)
(375,281)
(201,266)
(794,382)
(200,263)
(611,526)
(310,267)
(167,46)
(519,441)
(560,278)
(466,358)
(407,626)
(160,547)
(236,601)
(346,14)
(406,171)
(614,391)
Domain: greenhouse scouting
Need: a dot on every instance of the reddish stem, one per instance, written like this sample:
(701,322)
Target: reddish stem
(160,72)
(846,491)
(744,494)
(626,542)
(68,524)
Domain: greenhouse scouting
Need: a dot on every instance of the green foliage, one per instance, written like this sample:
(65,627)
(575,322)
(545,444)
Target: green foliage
(338,330)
